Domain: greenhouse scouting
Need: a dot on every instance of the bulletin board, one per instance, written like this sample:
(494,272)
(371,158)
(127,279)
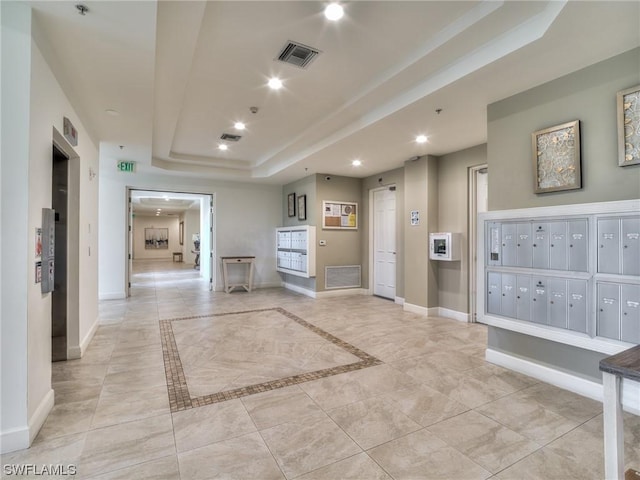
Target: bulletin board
(339,215)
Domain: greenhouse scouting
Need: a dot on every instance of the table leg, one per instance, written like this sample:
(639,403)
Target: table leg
(613,427)
(250,275)
(225,276)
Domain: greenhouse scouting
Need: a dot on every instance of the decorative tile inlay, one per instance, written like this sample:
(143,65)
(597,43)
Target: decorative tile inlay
(179,397)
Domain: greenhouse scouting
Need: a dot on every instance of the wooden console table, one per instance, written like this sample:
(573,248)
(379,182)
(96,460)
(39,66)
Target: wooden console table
(249,261)
(622,365)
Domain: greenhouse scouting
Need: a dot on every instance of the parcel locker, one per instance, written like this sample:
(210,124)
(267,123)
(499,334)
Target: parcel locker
(558,259)
(608,245)
(630,313)
(523,298)
(539,300)
(508,305)
(494,291)
(523,245)
(608,314)
(509,235)
(630,246)
(578,245)
(557,295)
(540,245)
(577,316)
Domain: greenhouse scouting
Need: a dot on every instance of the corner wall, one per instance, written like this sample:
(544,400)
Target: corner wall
(588,95)
(453,216)
(36,104)
(421,194)
(245,219)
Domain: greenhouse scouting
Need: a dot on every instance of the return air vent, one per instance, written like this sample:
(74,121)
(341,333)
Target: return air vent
(298,54)
(347,276)
(230,137)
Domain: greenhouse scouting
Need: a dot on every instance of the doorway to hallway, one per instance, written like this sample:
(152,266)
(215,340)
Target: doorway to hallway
(169,231)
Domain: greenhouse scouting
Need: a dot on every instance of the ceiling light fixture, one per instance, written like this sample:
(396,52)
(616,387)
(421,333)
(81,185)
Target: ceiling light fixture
(421,139)
(239,126)
(112,112)
(333,11)
(356,163)
(222,146)
(275,83)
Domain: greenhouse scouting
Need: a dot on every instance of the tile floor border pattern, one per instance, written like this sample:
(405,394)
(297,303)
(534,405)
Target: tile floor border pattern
(177,388)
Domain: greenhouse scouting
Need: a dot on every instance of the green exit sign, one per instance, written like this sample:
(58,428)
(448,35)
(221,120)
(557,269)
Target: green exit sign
(124,166)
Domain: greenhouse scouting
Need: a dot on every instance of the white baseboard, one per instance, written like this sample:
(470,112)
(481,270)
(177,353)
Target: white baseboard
(40,415)
(21,437)
(455,315)
(112,296)
(573,383)
(299,289)
(417,309)
(14,439)
(342,292)
(77,351)
(399,300)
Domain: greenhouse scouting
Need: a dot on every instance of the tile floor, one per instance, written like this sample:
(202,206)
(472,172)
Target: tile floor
(432,409)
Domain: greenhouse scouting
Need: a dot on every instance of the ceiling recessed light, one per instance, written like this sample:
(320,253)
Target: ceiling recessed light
(356,163)
(239,126)
(112,112)
(275,83)
(421,139)
(333,11)
(222,146)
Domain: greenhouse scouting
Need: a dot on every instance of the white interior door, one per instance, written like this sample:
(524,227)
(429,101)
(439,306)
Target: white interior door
(384,242)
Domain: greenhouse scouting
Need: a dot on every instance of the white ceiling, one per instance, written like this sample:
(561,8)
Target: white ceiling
(181,73)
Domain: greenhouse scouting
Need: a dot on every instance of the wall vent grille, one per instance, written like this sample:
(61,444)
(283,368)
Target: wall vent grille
(297,54)
(346,276)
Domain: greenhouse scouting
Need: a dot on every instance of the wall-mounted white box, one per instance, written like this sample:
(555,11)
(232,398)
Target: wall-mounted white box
(444,246)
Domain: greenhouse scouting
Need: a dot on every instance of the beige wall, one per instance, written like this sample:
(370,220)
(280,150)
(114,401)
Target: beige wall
(392,177)
(588,95)
(453,216)
(421,193)
(343,246)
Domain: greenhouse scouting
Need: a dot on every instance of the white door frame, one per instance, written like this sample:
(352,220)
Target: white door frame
(473,234)
(208,256)
(371,287)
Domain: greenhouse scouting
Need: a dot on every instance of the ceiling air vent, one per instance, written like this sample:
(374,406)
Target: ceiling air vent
(230,137)
(298,54)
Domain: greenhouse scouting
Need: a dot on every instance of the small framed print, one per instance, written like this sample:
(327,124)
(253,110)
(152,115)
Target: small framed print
(556,158)
(629,126)
(291,205)
(302,207)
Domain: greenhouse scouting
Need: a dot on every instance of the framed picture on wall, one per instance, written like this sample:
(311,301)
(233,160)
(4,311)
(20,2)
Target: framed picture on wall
(291,205)
(629,126)
(302,207)
(156,238)
(556,158)
(181,233)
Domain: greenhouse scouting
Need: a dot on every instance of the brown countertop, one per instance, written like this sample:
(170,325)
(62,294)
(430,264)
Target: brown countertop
(624,364)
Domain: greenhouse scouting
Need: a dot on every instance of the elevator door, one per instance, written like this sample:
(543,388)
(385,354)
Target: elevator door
(60,183)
